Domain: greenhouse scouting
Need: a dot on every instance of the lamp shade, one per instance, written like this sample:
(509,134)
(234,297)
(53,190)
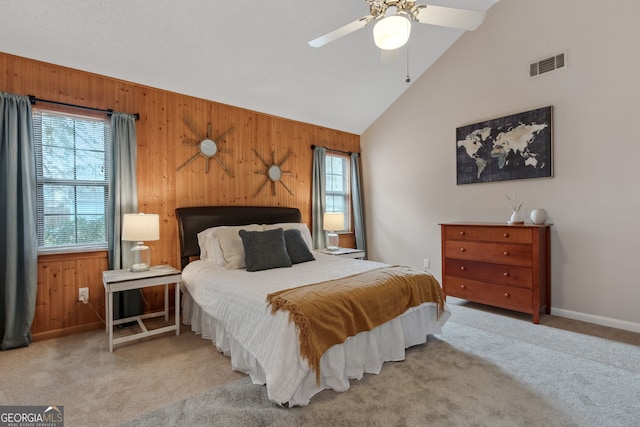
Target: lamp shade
(333,221)
(141,227)
(391,32)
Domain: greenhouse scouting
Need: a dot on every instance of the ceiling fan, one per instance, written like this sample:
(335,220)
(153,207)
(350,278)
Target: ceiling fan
(393,21)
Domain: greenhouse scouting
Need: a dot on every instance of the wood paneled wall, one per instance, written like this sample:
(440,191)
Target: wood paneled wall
(160,132)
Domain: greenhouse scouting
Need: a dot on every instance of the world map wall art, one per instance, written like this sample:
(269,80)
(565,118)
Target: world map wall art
(511,147)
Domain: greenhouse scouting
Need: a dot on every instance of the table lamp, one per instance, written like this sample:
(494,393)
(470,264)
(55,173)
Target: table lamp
(140,228)
(332,222)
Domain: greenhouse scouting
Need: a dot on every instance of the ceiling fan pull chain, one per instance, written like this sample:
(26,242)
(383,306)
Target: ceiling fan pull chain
(408,79)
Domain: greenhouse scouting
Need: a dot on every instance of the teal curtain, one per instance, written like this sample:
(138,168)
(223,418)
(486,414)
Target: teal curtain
(18,221)
(356,201)
(123,197)
(318,199)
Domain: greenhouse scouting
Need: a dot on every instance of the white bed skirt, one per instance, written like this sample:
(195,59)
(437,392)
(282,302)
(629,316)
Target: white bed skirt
(364,353)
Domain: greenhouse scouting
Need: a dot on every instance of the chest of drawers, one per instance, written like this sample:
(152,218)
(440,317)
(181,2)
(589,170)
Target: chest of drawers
(501,265)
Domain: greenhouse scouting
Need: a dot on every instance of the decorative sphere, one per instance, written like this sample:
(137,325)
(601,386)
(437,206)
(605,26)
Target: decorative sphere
(538,216)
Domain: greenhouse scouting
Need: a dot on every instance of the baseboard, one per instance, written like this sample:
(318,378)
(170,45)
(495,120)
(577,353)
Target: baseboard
(598,320)
(58,333)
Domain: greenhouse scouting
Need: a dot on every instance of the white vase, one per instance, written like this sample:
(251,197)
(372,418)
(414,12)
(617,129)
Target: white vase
(538,216)
(515,218)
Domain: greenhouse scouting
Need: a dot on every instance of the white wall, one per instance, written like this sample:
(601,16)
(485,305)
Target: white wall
(593,200)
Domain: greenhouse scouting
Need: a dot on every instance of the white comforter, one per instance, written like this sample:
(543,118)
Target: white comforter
(231,306)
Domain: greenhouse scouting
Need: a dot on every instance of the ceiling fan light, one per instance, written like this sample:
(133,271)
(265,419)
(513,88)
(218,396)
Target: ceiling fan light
(391,32)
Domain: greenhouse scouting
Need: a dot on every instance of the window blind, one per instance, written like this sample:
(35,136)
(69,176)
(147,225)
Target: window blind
(337,186)
(73,169)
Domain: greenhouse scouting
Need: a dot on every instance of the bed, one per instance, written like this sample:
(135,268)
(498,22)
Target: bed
(233,303)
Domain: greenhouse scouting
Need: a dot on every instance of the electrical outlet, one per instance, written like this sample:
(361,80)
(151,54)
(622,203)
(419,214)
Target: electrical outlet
(426,263)
(83,294)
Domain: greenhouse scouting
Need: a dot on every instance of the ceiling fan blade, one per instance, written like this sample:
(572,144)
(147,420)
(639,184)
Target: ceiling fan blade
(340,32)
(467,20)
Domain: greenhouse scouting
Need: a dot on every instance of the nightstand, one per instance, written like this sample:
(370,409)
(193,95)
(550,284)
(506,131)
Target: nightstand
(123,280)
(345,252)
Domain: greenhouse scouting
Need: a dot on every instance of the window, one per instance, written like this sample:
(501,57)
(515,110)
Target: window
(73,161)
(337,189)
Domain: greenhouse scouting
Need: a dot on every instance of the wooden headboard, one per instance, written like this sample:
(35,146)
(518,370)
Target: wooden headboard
(193,220)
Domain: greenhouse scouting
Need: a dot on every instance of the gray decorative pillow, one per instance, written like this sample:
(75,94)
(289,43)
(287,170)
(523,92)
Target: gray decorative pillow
(264,250)
(296,247)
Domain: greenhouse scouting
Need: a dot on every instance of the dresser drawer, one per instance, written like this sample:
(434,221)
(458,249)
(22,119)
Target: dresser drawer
(500,253)
(509,297)
(500,273)
(488,234)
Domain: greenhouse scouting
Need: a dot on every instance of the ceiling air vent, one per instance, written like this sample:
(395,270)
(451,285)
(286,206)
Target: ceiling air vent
(545,65)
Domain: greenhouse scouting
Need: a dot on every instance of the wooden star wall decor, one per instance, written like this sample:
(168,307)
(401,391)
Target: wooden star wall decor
(207,148)
(273,172)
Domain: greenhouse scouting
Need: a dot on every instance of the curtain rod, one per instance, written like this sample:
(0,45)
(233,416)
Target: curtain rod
(109,112)
(332,149)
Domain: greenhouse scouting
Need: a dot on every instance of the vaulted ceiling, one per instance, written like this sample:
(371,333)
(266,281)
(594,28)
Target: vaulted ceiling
(252,55)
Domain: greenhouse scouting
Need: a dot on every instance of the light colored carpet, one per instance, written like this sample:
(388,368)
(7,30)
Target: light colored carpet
(485,370)
(488,368)
(99,388)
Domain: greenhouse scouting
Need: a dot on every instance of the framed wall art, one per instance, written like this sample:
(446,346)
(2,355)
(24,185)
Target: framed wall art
(512,147)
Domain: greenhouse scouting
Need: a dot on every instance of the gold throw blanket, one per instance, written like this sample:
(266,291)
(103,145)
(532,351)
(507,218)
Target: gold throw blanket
(328,313)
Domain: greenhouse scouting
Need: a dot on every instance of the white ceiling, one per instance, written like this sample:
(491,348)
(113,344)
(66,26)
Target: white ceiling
(252,55)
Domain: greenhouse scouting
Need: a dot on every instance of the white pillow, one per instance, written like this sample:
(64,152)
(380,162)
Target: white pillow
(231,244)
(210,246)
(304,230)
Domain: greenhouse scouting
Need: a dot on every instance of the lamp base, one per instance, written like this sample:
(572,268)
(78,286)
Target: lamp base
(135,268)
(141,258)
(332,241)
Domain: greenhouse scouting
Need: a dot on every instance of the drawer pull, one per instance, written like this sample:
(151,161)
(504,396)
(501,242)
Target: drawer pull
(506,253)
(462,249)
(462,233)
(506,234)
(463,287)
(506,294)
(463,268)
(506,274)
